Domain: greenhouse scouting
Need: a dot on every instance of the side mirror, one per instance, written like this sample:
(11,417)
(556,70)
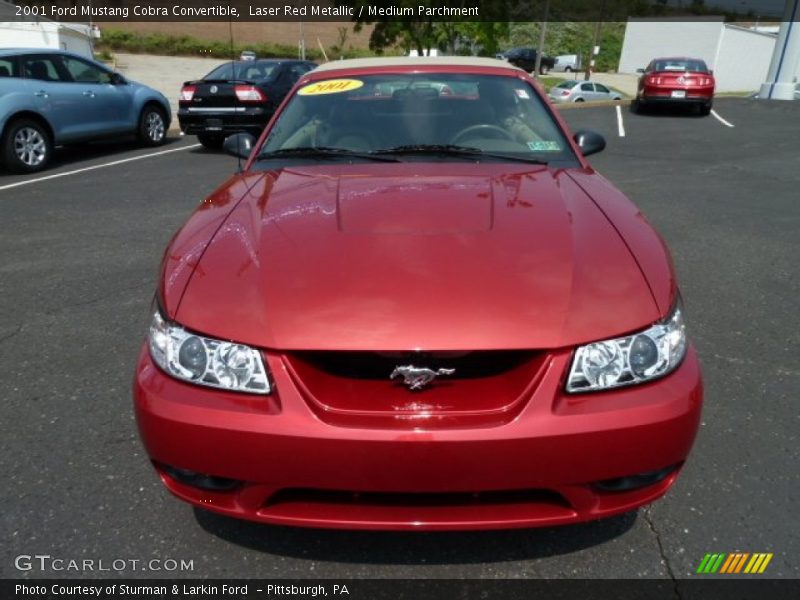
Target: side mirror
(640,70)
(117,79)
(239,144)
(590,142)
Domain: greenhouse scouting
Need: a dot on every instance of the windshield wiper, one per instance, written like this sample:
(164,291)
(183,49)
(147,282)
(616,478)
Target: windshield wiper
(455,150)
(324,152)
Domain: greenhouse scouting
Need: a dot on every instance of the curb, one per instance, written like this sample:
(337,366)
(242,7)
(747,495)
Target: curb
(579,105)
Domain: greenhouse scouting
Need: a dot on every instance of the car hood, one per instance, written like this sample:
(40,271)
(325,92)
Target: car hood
(448,256)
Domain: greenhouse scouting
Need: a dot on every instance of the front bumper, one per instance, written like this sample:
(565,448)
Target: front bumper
(539,469)
(224,121)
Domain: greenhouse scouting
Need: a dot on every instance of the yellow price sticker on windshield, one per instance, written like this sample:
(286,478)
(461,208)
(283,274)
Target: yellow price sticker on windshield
(330,86)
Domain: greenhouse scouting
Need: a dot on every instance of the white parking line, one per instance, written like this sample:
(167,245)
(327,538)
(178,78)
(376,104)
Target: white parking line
(720,119)
(620,124)
(92,168)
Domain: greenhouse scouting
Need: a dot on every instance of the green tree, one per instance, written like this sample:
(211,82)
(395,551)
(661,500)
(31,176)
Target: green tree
(487,36)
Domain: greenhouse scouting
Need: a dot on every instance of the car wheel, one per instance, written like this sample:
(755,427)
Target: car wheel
(636,106)
(152,126)
(544,69)
(567,69)
(705,110)
(27,146)
(210,141)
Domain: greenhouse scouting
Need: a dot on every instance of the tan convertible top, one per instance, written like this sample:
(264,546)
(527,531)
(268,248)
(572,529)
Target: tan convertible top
(414,61)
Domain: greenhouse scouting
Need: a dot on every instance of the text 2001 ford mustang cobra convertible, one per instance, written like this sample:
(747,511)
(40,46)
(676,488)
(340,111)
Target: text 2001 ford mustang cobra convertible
(417,307)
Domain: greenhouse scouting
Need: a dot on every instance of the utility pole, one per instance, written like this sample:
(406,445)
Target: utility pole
(595,48)
(302,43)
(538,66)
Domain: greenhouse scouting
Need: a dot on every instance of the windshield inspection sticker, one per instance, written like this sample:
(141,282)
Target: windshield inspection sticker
(544,146)
(521,93)
(331,86)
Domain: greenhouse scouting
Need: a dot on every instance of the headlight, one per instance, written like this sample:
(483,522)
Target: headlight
(636,358)
(206,361)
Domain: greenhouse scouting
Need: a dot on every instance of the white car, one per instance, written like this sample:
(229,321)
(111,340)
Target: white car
(567,63)
(581,91)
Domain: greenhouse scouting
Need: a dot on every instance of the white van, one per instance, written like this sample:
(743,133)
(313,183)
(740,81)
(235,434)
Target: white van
(568,63)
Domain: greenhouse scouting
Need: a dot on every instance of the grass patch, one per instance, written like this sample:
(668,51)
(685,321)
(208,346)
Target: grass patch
(735,94)
(117,40)
(549,82)
(104,55)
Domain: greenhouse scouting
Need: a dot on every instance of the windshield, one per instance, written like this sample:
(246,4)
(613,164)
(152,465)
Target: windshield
(419,112)
(248,70)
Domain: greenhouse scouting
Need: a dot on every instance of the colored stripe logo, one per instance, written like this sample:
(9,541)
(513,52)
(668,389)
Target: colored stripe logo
(737,562)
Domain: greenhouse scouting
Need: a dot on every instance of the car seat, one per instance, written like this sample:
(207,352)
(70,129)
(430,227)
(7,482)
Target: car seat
(348,127)
(253,74)
(418,115)
(38,70)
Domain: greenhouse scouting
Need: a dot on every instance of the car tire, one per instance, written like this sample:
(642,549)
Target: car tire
(152,129)
(705,110)
(210,141)
(636,106)
(567,69)
(544,69)
(26,146)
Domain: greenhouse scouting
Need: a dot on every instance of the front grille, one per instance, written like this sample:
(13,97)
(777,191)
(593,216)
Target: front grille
(356,389)
(416,499)
(379,365)
(402,510)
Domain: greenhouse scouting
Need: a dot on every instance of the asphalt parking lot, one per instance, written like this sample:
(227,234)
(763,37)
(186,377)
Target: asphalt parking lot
(78,258)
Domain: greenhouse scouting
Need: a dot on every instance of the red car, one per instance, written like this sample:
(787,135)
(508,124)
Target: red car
(417,307)
(675,81)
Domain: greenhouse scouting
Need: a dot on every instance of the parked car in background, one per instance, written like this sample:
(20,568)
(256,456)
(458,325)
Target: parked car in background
(417,311)
(525,59)
(51,97)
(675,81)
(581,91)
(237,96)
(567,63)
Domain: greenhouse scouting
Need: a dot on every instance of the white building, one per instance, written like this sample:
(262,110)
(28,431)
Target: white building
(739,56)
(43,33)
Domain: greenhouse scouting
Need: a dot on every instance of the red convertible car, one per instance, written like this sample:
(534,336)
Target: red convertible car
(417,307)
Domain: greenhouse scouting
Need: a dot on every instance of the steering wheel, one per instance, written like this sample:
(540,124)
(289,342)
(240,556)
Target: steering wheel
(498,132)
